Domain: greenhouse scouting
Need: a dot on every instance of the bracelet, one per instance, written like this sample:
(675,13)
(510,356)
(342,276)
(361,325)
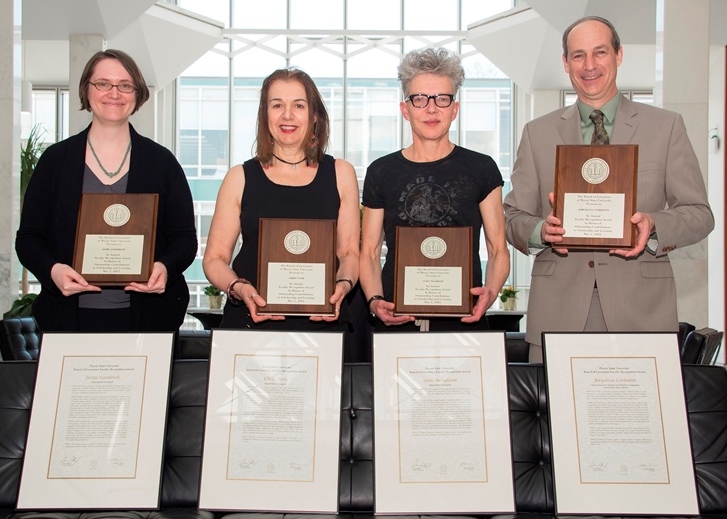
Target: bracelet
(344,280)
(372,299)
(231,297)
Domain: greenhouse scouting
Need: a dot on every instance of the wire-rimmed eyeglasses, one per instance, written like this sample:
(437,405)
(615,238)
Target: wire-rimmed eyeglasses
(422,100)
(105,86)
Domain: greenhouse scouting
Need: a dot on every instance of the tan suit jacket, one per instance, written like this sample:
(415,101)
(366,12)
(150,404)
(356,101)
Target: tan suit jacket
(637,294)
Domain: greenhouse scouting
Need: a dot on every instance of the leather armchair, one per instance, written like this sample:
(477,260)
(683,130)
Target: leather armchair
(19,338)
(701,346)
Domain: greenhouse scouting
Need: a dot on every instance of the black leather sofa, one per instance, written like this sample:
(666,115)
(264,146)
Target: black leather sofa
(20,340)
(706,390)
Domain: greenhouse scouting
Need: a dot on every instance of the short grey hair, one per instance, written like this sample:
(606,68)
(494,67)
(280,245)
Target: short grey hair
(615,40)
(438,61)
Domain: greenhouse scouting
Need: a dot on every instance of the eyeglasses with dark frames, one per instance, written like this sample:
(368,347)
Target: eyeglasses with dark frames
(422,100)
(105,86)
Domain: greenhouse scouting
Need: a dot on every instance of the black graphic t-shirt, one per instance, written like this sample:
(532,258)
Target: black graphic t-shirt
(443,193)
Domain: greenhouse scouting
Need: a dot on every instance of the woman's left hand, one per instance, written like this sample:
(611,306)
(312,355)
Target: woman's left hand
(336,300)
(485,298)
(156,284)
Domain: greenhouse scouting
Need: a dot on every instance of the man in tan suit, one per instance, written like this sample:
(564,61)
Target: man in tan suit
(595,290)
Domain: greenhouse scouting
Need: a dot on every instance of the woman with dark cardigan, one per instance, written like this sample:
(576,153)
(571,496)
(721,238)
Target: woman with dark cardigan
(107,157)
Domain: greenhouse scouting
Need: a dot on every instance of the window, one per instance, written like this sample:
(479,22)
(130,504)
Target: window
(355,72)
(50,113)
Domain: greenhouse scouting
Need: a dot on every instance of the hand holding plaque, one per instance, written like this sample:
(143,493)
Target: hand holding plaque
(595,195)
(296,266)
(433,272)
(115,238)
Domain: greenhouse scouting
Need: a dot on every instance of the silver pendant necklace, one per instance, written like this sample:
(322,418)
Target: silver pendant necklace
(110,174)
(294,164)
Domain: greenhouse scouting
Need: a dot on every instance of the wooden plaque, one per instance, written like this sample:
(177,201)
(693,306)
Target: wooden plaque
(595,195)
(115,237)
(296,266)
(433,271)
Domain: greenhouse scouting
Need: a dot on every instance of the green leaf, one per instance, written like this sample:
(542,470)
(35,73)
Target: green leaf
(22,307)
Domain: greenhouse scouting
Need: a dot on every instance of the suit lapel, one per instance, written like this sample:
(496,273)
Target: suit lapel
(569,126)
(627,120)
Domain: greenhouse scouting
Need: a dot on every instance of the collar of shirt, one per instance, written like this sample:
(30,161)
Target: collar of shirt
(609,114)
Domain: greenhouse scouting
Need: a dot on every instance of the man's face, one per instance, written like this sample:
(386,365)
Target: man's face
(592,63)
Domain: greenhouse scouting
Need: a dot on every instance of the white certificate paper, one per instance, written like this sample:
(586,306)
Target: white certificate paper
(296,283)
(272,436)
(619,430)
(96,434)
(113,254)
(442,425)
(594,215)
(443,401)
(618,411)
(98,418)
(273,422)
(436,286)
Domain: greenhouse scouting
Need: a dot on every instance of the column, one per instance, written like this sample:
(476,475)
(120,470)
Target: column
(81,48)
(682,85)
(10,56)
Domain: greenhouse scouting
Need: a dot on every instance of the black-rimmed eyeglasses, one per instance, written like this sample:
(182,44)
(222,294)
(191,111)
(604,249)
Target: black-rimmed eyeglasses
(422,100)
(105,86)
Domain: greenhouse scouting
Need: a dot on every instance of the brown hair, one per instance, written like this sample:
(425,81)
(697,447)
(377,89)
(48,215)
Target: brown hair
(615,39)
(318,123)
(142,91)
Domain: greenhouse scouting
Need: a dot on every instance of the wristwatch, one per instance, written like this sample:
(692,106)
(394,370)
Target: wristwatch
(371,300)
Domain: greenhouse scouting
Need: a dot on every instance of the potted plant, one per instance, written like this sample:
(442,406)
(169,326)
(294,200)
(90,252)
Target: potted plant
(214,295)
(30,152)
(508,296)
(22,307)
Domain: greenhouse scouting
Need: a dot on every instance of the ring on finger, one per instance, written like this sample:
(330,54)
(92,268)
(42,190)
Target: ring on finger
(252,296)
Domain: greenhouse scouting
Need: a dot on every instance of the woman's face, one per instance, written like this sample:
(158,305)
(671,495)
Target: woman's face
(111,106)
(288,113)
(430,122)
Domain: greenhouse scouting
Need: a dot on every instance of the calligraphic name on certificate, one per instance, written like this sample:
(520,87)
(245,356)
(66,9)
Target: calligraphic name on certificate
(441,420)
(98,418)
(113,254)
(619,420)
(296,283)
(436,286)
(589,215)
(272,418)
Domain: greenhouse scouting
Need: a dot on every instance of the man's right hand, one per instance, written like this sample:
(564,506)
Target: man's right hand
(551,232)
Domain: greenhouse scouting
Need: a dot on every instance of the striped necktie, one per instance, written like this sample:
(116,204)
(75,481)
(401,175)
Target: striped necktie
(599,131)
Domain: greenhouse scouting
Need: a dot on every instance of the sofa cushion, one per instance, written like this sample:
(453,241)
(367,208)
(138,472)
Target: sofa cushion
(193,344)
(19,338)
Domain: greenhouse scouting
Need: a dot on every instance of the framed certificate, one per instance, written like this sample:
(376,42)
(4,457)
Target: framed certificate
(296,266)
(595,195)
(433,271)
(115,237)
(96,433)
(441,424)
(619,431)
(272,430)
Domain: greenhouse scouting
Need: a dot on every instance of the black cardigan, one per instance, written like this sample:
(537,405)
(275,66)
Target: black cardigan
(47,230)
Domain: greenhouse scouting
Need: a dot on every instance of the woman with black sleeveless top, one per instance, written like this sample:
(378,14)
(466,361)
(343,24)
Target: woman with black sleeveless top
(289,177)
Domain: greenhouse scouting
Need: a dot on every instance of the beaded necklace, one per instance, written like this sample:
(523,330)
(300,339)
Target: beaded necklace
(110,174)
